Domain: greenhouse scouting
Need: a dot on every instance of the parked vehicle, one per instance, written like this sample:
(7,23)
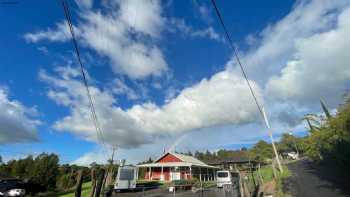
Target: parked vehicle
(293,155)
(11,187)
(225,177)
(126,178)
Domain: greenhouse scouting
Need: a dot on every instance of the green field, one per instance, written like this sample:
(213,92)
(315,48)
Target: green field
(85,191)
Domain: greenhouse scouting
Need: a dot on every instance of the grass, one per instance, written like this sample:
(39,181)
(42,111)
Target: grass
(85,191)
(267,173)
(267,176)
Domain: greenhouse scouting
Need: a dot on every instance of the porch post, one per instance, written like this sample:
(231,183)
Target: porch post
(200,174)
(207,174)
(162,175)
(190,172)
(149,173)
(213,173)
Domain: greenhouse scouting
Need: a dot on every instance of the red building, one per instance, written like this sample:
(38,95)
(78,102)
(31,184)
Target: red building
(175,166)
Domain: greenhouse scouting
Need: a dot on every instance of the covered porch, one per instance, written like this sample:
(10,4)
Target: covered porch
(169,171)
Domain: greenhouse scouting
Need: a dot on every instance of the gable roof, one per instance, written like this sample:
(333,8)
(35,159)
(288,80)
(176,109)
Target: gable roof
(188,159)
(183,158)
(185,161)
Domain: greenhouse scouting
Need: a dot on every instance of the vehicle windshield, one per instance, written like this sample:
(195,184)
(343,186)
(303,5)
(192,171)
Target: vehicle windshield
(222,174)
(126,174)
(10,183)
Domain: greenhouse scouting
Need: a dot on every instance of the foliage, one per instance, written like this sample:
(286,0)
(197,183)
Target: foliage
(85,191)
(221,155)
(41,171)
(44,170)
(289,143)
(205,184)
(261,151)
(182,182)
(331,142)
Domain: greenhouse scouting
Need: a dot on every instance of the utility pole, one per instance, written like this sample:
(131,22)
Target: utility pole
(113,151)
(109,175)
(272,140)
(276,153)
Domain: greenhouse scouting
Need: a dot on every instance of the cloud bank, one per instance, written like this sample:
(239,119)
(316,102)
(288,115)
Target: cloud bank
(210,102)
(16,122)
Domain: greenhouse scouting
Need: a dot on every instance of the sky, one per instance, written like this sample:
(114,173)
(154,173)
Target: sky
(162,75)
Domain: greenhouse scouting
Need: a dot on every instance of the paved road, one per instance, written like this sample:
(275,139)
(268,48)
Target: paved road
(213,192)
(311,180)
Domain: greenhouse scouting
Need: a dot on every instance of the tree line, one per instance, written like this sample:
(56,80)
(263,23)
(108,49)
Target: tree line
(44,173)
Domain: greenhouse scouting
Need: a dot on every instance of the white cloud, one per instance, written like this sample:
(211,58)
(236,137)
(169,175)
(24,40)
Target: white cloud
(85,4)
(59,34)
(188,30)
(320,67)
(208,32)
(221,100)
(144,16)
(119,87)
(126,35)
(16,122)
(277,42)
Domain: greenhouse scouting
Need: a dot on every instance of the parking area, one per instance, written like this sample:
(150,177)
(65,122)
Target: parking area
(211,192)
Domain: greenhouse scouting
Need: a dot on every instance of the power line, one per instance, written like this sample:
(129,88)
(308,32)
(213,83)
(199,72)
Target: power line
(261,110)
(91,103)
(235,51)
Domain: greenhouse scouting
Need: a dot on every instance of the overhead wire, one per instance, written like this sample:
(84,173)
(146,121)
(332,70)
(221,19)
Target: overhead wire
(84,78)
(261,109)
(235,51)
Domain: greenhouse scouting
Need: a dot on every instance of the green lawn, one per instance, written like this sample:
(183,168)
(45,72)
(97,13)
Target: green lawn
(85,191)
(267,173)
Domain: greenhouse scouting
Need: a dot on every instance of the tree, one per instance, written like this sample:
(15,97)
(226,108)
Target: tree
(45,170)
(261,151)
(288,143)
(331,141)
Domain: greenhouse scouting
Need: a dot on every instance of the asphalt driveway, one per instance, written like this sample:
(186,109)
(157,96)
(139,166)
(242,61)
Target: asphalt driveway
(315,180)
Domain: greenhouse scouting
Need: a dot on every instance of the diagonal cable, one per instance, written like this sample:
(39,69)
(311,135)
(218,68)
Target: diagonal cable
(82,70)
(235,51)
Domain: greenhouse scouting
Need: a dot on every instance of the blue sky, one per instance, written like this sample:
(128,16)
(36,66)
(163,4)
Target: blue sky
(161,73)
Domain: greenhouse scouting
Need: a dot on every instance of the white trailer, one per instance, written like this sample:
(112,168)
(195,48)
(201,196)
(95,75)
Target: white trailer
(126,178)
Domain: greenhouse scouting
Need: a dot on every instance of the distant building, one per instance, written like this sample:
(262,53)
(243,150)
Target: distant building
(175,166)
(241,163)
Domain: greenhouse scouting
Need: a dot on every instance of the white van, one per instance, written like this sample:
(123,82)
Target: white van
(225,177)
(126,178)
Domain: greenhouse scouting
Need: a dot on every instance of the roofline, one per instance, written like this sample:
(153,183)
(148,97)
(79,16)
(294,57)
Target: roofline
(168,152)
(174,164)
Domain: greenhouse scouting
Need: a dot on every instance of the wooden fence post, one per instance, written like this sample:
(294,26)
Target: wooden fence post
(79,183)
(93,182)
(240,181)
(99,183)
(274,169)
(260,176)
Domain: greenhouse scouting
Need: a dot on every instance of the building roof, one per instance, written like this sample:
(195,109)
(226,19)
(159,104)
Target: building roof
(189,159)
(186,160)
(232,160)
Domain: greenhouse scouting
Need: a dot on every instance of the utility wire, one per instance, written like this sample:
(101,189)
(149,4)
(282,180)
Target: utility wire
(235,51)
(91,103)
